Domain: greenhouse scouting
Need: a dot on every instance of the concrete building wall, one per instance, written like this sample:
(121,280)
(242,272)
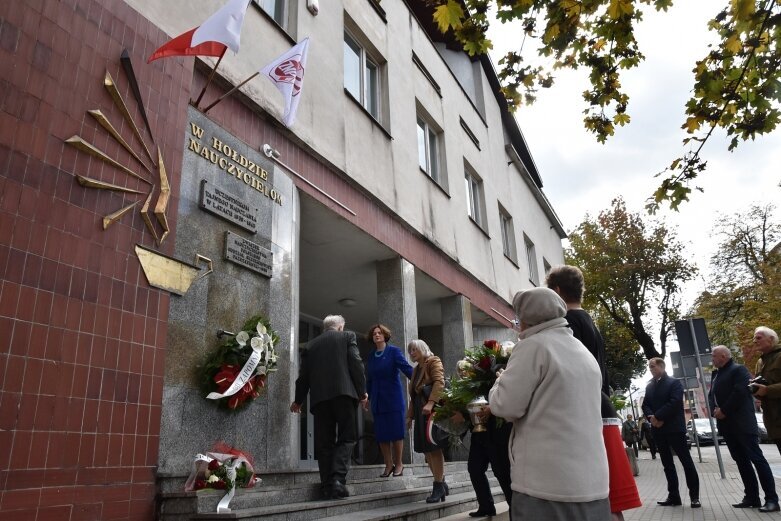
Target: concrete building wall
(382,156)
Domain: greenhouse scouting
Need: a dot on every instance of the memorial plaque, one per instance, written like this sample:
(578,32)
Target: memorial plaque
(230,207)
(248,254)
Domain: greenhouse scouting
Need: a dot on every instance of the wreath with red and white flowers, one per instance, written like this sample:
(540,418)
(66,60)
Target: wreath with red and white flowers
(235,373)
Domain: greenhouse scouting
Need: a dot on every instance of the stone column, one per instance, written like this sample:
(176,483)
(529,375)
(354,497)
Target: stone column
(396,301)
(456,330)
(397,308)
(456,335)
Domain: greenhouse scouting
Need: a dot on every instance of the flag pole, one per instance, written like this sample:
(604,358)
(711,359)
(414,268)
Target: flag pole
(234,89)
(211,76)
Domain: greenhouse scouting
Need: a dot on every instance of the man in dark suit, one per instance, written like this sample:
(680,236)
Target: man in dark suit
(663,407)
(732,405)
(332,373)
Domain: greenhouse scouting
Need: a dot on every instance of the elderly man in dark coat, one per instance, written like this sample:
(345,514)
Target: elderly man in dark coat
(769,368)
(732,405)
(332,374)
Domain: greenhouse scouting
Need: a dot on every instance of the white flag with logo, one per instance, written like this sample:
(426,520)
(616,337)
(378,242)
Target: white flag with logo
(287,73)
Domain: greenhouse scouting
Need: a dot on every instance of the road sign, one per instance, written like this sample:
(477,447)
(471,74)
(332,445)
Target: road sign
(689,363)
(684,334)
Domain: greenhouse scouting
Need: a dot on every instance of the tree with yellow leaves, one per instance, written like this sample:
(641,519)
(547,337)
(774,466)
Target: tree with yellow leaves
(737,85)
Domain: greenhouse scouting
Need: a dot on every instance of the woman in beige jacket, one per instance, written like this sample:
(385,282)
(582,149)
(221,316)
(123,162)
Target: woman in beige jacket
(425,389)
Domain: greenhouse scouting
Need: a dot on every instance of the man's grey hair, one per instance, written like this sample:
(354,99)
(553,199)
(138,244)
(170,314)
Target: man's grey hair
(767,332)
(332,322)
(723,349)
(421,346)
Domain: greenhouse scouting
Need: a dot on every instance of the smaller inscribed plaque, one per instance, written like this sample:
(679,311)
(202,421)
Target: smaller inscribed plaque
(230,207)
(248,254)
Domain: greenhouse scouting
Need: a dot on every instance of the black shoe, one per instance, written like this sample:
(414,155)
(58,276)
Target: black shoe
(745,503)
(339,491)
(483,513)
(770,506)
(391,472)
(696,503)
(670,502)
(437,493)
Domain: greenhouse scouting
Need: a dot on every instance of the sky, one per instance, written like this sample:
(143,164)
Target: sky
(581,176)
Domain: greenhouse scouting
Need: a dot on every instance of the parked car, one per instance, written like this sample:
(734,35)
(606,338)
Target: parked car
(763,438)
(704,432)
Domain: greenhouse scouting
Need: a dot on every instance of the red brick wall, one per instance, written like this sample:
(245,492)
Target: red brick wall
(82,335)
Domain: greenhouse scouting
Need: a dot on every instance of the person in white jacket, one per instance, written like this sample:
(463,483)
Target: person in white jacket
(550,391)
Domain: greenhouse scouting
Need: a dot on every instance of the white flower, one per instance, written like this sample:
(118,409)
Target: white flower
(267,340)
(256,343)
(242,338)
(261,329)
(261,370)
(213,478)
(507,348)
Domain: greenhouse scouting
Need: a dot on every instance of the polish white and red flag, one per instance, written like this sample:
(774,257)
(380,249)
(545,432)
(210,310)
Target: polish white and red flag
(219,32)
(287,73)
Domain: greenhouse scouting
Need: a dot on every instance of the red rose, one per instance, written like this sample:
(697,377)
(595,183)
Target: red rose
(492,344)
(199,484)
(219,485)
(484,363)
(214,465)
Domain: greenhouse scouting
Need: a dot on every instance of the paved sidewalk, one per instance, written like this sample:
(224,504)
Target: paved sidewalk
(716,494)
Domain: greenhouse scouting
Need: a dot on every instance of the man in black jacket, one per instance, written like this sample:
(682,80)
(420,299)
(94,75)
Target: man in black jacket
(663,407)
(332,373)
(732,405)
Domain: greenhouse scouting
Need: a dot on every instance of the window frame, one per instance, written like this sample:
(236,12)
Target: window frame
(507,230)
(365,58)
(475,204)
(433,167)
(282,5)
(531,260)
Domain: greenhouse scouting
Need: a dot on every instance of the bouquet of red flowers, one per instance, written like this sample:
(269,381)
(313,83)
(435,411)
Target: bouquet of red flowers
(224,468)
(476,374)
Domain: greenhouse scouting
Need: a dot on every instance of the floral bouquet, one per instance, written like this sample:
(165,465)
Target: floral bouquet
(225,468)
(476,374)
(234,373)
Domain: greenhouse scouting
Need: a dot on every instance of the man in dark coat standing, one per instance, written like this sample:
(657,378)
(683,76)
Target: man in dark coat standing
(732,405)
(332,373)
(663,407)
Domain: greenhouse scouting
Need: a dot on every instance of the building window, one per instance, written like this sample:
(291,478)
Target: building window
(531,261)
(508,235)
(474,198)
(361,76)
(428,149)
(275,9)
(546,266)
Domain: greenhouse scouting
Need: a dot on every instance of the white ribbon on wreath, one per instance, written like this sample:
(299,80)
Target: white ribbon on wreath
(259,350)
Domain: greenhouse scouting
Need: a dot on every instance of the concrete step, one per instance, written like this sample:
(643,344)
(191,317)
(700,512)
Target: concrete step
(409,506)
(296,495)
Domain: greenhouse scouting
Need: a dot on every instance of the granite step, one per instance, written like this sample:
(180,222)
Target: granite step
(408,505)
(296,496)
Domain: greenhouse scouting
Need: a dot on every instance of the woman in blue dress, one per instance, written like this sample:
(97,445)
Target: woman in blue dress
(387,398)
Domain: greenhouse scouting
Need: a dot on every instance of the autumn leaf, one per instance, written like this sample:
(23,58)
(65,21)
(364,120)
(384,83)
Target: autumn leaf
(692,124)
(743,9)
(733,45)
(621,119)
(448,15)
